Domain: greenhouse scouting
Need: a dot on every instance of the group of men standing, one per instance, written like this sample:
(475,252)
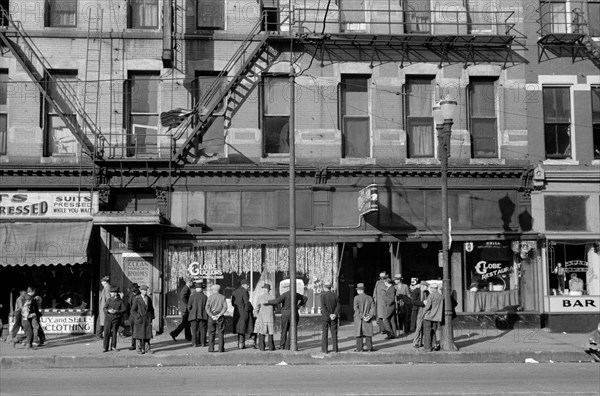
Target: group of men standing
(27,316)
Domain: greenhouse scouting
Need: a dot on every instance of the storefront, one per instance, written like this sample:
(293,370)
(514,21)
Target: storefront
(46,245)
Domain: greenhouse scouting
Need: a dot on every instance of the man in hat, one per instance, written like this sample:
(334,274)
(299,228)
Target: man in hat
(434,311)
(135,291)
(243,321)
(114,309)
(419,295)
(142,311)
(388,318)
(216,306)
(364,313)
(197,315)
(378,293)
(403,303)
(104,296)
(330,311)
(265,319)
(184,297)
(286,314)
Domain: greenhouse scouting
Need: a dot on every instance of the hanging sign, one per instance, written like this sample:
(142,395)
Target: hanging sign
(368,200)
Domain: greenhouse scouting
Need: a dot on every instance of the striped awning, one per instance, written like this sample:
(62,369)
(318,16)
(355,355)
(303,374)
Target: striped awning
(35,244)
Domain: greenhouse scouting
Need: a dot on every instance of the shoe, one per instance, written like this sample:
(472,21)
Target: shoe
(211,350)
(436,348)
(173,337)
(104,350)
(131,348)
(113,349)
(140,352)
(390,337)
(416,346)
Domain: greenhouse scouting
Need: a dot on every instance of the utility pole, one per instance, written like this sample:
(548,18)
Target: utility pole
(292,248)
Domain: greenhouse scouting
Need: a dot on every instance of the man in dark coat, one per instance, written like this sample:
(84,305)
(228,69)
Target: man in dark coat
(330,311)
(388,302)
(184,297)
(286,314)
(403,303)
(142,311)
(114,309)
(197,315)
(364,313)
(243,320)
(135,291)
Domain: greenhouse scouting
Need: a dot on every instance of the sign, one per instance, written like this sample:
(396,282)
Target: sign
(575,304)
(368,200)
(65,323)
(576,266)
(48,205)
(137,269)
(205,270)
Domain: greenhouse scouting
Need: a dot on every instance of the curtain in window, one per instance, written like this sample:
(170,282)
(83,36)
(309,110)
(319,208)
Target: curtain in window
(144,13)
(421,140)
(480,14)
(63,13)
(554,17)
(417,14)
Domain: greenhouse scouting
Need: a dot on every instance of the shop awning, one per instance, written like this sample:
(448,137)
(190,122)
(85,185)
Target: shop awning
(34,244)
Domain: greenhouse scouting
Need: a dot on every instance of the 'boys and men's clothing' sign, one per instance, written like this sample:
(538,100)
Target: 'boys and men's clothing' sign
(54,205)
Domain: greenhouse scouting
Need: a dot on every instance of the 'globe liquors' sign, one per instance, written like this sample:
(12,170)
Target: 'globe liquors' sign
(368,200)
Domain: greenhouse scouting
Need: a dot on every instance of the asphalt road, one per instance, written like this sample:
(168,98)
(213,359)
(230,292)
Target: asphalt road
(448,379)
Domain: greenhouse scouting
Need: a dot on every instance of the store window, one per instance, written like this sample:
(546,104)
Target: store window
(355,122)
(61,13)
(557,122)
(482,112)
(3,110)
(143,14)
(565,212)
(228,262)
(596,120)
(276,115)
(573,268)
(210,14)
(59,138)
(419,120)
(493,272)
(141,115)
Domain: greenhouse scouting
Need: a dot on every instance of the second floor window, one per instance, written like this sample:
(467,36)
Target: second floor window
(276,115)
(143,14)
(482,118)
(3,110)
(554,17)
(557,122)
(59,137)
(61,13)
(596,120)
(354,106)
(141,113)
(419,119)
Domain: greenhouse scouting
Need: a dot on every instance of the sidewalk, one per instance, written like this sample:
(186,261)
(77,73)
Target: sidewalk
(475,346)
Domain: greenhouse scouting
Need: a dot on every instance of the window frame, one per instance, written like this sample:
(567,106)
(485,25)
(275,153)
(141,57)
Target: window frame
(50,17)
(264,116)
(129,115)
(471,118)
(595,123)
(48,113)
(594,33)
(130,19)
(557,124)
(343,117)
(408,117)
(4,111)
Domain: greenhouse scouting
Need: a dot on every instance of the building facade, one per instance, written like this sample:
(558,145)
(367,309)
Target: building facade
(174,117)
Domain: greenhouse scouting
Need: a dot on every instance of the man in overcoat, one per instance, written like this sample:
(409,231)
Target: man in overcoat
(330,312)
(434,311)
(114,309)
(403,303)
(388,303)
(364,313)
(243,320)
(184,297)
(104,296)
(135,291)
(197,315)
(378,291)
(265,319)
(286,314)
(142,311)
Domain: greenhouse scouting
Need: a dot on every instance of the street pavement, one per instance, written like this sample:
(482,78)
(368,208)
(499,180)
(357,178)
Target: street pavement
(419,379)
(475,346)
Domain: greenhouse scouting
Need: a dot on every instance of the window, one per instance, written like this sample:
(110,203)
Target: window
(214,137)
(480,15)
(417,16)
(353,15)
(4,8)
(565,212)
(143,14)
(570,268)
(554,17)
(142,114)
(61,13)
(354,102)
(276,115)
(419,120)
(60,140)
(210,14)
(557,122)
(482,112)
(596,120)
(3,110)
(593,18)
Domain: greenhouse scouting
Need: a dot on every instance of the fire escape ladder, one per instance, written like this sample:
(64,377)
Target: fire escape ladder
(219,96)
(65,98)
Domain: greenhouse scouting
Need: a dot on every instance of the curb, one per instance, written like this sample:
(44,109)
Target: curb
(290,358)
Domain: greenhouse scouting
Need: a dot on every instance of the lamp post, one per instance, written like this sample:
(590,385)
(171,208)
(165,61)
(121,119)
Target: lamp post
(443,114)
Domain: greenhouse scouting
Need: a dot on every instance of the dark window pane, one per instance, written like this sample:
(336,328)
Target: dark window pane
(223,209)
(593,19)
(595,105)
(3,87)
(276,134)
(143,14)
(597,141)
(355,97)
(3,134)
(485,137)
(558,140)
(557,105)
(144,94)
(211,14)
(565,213)
(356,137)
(420,137)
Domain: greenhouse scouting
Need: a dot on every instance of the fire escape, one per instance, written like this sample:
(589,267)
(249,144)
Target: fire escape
(334,34)
(565,32)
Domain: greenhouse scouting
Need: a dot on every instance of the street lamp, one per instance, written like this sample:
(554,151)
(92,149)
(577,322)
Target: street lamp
(443,115)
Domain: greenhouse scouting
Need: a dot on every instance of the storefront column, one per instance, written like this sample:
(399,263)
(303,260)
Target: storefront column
(456,277)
